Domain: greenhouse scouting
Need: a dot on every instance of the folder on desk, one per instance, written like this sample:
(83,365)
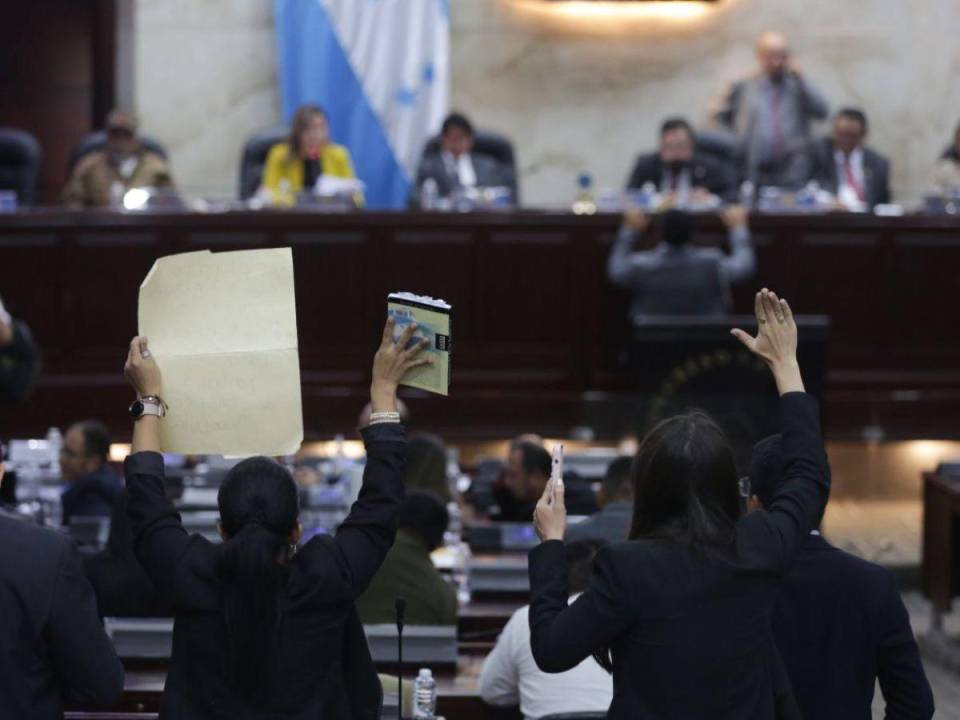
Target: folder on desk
(433,323)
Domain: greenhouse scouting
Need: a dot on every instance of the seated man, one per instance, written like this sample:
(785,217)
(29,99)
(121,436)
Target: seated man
(677,167)
(454,165)
(91,486)
(408,570)
(524,478)
(839,623)
(123,160)
(55,652)
(510,676)
(612,523)
(19,358)
(843,165)
(676,278)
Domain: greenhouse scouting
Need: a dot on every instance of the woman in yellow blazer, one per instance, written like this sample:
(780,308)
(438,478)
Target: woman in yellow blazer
(296,164)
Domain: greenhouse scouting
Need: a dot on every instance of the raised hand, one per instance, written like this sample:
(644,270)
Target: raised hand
(392,361)
(141,369)
(776,340)
(550,515)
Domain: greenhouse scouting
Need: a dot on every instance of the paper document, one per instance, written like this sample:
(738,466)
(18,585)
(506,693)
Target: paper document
(223,329)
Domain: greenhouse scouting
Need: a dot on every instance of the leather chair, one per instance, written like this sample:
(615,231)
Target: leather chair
(254,158)
(492,145)
(97,141)
(20,157)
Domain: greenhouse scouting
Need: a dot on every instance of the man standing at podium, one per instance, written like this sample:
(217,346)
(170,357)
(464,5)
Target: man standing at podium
(675,277)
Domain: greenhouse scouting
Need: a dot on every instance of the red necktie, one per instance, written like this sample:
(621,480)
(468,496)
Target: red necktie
(851,178)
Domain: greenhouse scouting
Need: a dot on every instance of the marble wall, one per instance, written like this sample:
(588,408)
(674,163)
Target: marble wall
(576,88)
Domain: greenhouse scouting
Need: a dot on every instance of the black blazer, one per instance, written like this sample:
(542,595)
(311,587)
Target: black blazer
(53,650)
(490,173)
(840,626)
(705,172)
(689,630)
(817,163)
(322,667)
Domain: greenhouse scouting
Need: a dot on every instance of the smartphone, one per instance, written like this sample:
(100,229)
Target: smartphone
(556,470)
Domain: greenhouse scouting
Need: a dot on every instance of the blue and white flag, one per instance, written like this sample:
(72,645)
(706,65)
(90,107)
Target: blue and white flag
(381,69)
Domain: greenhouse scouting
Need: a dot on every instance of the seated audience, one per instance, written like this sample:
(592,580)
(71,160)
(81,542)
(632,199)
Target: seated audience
(839,622)
(55,652)
(427,466)
(408,570)
(675,277)
(91,485)
(510,676)
(262,628)
(679,615)
(678,168)
(525,476)
(454,165)
(122,586)
(297,164)
(771,112)
(612,523)
(123,160)
(946,176)
(19,358)
(844,165)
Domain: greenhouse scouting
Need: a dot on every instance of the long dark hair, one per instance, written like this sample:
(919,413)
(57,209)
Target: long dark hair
(684,489)
(259,507)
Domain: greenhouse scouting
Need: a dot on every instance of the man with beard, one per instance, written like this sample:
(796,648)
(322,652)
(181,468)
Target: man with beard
(123,160)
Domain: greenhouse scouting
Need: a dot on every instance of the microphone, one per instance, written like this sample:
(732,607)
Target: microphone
(400,605)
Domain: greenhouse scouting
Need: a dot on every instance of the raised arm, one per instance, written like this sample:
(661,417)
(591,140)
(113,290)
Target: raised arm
(364,538)
(158,535)
(624,265)
(741,262)
(796,509)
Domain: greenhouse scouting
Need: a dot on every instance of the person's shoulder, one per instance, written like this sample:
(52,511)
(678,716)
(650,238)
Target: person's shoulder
(874,157)
(279,152)
(339,152)
(45,544)
(153,159)
(855,569)
(90,161)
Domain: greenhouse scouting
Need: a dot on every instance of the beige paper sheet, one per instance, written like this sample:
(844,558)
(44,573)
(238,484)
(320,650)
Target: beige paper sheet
(223,328)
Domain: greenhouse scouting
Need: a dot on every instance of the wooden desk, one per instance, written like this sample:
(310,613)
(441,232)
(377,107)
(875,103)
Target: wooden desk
(539,328)
(941,542)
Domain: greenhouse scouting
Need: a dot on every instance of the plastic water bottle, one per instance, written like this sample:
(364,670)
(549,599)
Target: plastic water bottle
(429,194)
(584,203)
(54,446)
(424,696)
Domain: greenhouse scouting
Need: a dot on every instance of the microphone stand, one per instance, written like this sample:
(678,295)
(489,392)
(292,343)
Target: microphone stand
(400,605)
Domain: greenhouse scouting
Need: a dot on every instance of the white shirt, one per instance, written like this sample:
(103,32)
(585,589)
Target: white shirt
(856,166)
(511,676)
(460,168)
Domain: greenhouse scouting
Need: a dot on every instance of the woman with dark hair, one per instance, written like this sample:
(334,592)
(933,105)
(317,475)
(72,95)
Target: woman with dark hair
(262,628)
(680,613)
(307,154)
(946,175)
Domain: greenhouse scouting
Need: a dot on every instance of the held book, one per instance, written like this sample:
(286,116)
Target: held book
(433,323)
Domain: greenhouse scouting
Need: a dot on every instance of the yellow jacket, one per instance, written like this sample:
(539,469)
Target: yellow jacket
(282,166)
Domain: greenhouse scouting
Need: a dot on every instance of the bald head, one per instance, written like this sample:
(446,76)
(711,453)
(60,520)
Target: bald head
(773,54)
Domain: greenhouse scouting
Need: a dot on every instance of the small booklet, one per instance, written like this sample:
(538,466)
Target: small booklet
(433,323)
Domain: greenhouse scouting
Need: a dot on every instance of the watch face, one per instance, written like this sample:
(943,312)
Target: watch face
(136,410)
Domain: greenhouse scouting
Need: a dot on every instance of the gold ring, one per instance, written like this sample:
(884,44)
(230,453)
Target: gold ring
(761,321)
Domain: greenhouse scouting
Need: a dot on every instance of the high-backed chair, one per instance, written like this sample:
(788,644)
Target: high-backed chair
(493,145)
(254,158)
(20,157)
(94,141)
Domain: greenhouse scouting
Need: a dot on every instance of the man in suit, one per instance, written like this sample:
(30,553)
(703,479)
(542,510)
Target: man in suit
(54,650)
(676,278)
(19,358)
(92,487)
(454,166)
(525,476)
(677,167)
(839,623)
(612,523)
(771,112)
(844,165)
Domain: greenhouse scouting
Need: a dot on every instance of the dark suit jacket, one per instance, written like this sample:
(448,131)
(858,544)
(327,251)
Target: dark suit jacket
(705,172)
(91,496)
(19,364)
(490,173)
(321,665)
(689,629)
(840,626)
(580,500)
(53,650)
(817,163)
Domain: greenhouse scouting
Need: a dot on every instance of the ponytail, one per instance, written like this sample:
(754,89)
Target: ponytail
(252,580)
